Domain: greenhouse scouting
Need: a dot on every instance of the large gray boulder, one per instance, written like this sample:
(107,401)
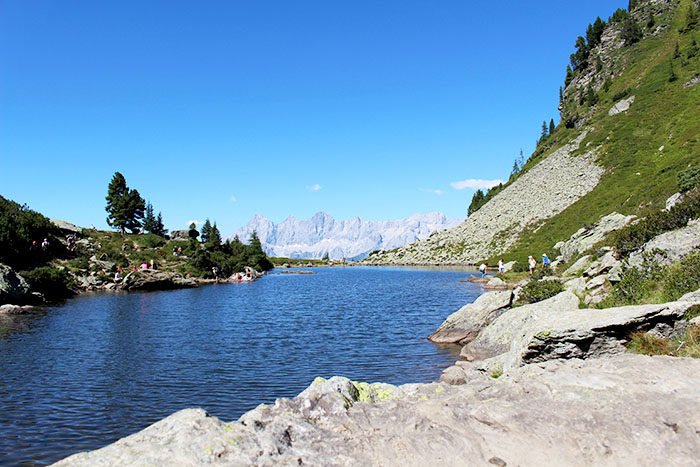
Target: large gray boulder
(463,325)
(180,235)
(669,247)
(585,238)
(574,412)
(150,279)
(557,329)
(67,227)
(13,288)
(621,106)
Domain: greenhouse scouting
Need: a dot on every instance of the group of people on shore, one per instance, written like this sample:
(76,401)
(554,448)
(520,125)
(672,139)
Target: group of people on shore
(532,265)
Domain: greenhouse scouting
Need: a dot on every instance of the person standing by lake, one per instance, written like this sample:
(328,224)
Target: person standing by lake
(501,267)
(532,263)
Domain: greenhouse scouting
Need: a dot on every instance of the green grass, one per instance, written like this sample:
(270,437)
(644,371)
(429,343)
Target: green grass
(686,345)
(663,114)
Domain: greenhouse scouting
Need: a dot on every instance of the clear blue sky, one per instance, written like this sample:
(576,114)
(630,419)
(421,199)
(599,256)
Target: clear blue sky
(224,109)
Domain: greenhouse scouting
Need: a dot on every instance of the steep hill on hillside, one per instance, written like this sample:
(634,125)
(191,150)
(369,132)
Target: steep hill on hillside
(630,124)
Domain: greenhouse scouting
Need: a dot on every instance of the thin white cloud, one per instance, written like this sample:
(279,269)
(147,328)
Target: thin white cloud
(233,199)
(475,184)
(436,192)
(315,187)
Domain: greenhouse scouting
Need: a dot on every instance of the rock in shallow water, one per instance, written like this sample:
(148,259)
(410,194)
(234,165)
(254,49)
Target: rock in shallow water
(623,410)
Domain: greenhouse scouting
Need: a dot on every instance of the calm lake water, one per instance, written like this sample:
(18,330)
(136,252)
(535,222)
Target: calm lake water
(100,367)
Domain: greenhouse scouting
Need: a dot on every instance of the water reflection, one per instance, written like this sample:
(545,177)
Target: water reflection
(84,374)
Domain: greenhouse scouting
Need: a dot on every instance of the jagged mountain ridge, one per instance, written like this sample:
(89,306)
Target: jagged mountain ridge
(354,238)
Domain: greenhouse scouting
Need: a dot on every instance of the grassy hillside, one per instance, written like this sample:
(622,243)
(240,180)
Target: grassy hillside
(642,150)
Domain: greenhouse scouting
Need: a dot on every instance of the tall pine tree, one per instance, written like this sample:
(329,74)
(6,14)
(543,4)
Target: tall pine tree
(125,206)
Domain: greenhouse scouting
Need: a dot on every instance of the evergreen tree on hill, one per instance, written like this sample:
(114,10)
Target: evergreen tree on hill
(149,219)
(125,206)
(551,126)
(631,32)
(206,231)
(160,228)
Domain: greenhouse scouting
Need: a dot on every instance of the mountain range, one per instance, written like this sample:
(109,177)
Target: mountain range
(353,239)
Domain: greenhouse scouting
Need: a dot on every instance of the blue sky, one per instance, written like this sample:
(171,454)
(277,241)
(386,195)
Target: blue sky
(227,109)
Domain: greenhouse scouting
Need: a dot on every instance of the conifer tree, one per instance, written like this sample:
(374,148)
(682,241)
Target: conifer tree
(159,227)
(544,129)
(125,206)
(149,219)
(676,50)
(631,32)
(551,126)
(671,74)
(206,231)
(569,75)
(213,241)
(561,94)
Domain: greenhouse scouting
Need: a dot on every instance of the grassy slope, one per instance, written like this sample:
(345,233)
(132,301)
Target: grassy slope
(664,113)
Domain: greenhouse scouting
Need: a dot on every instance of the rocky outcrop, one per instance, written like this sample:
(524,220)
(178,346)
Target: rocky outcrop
(669,247)
(574,412)
(538,194)
(465,324)
(13,288)
(621,106)
(586,237)
(556,328)
(180,234)
(149,279)
(15,309)
(67,227)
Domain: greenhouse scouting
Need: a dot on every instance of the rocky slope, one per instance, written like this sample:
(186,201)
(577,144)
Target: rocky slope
(624,410)
(353,239)
(544,191)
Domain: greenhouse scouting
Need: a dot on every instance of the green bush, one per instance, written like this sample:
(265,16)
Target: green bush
(537,291)
(621,95)
(150,240)
(19,227)
(51,282)
(682,277)
(633,236)
(689,178)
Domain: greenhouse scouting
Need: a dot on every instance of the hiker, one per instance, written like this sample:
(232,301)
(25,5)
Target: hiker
(45,244)
(482,269)
(546,262)
(532,263)
(501,267)
(215,271)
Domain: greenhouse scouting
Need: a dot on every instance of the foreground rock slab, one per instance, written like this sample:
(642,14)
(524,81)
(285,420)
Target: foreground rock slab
(622,410)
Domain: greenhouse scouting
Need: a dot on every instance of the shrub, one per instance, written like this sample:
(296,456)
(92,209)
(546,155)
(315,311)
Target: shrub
(688,345)
(634,236)
(692,312)
(621,95)
(689,178)
(51,282)
(150,240)
(19,226)
(537,291)
(682,277)
(648,344)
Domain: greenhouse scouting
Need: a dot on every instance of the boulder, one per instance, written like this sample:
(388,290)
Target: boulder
(150,279)
(180,234)
(106,266)
(465,324)
(14,309)
(596,282)
(576,286)
(496,284)
(13,288)
(509,266)
(672,201)
(669,247)
(557,328)
(606,263)
(621,106)
(579,266)
(573,412)
(67,227)
(585,238)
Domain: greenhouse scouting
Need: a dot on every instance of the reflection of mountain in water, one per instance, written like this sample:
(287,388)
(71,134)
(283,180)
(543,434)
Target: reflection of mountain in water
(352,239)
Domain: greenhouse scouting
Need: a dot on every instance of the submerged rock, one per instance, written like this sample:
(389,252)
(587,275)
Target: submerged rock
(575,412)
